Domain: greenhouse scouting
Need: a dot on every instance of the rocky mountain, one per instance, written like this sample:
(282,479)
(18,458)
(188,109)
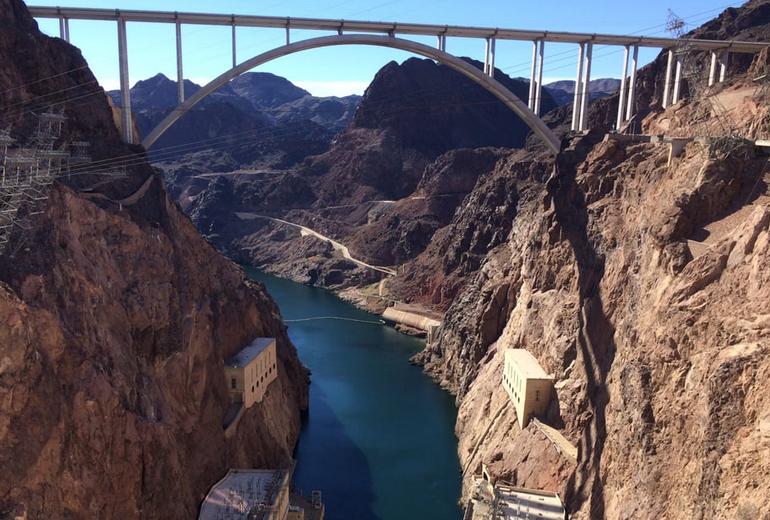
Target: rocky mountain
(563,91)
(257,120)
(387,183)
(116,318)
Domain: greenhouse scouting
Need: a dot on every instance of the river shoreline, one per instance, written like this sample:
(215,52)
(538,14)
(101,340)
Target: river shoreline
(379,438)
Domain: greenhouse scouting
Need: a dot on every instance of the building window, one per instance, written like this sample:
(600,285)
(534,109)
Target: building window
(252,388)
(233,383)
(537,395)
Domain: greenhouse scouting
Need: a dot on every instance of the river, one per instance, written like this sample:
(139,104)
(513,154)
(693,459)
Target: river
(379,437)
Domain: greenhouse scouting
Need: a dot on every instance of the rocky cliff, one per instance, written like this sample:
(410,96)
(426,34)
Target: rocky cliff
(116,317)
(639,282)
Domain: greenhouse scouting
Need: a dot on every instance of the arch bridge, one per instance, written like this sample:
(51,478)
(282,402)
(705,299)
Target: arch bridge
(384,34)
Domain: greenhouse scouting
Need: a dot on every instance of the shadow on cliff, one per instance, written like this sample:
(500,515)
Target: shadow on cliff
(334,464)
(596,338)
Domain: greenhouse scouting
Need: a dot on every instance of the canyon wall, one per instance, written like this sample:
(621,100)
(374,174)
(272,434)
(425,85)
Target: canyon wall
(639,282)
(117,317)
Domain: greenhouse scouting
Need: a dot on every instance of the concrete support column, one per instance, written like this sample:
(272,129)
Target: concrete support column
(288,35)
(443,42)
(64,28)
(622,92)
(127,123)
(578,88)
(531,102)
(631,105)
(723,66)
(179,71)
(586,87)
(491,71)
(539,84)
(667,84)
(486,56)
(234,47)
(677,81)
(713,69)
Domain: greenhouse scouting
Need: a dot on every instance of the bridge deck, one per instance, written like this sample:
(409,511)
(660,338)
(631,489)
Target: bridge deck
(77,13)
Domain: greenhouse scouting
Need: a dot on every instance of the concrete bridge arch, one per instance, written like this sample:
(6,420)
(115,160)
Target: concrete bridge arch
(466,69)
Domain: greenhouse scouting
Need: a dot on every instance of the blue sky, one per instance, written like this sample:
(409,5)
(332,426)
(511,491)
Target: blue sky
(347,70)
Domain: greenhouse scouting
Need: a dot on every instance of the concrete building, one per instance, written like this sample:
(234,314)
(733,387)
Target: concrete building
(248,494)
(527,384)
(250,371)
(500,501)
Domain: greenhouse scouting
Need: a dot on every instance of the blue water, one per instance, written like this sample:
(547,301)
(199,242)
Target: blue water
(379,437)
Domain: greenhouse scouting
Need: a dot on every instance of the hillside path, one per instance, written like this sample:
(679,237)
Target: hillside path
(306,231)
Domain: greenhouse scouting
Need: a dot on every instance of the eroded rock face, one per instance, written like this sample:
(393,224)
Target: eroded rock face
(115,319)
(655,336)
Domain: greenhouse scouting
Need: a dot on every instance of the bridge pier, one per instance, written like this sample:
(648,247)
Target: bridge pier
(578,88)
(667,84)
(491,50)
(531,101)
(677,81)
(235,58)
(179,71)
(622,92)
(127,123)
(539,84)
(632,84)
(64,28)
(586,87)
(713,69)
(724,57)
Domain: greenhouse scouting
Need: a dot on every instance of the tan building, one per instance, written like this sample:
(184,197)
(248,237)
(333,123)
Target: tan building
(250,371)
(248,494)
(527,384)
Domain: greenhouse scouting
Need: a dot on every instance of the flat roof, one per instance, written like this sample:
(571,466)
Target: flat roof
(528,365)
(528,503)
(249,352)
(241,491)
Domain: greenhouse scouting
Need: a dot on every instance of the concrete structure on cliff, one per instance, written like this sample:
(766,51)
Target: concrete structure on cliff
(248,494)
(527,384)
(251,370)
(383,34)
(498,501)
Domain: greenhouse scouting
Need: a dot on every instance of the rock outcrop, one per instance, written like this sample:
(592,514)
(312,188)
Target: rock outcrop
(115,320)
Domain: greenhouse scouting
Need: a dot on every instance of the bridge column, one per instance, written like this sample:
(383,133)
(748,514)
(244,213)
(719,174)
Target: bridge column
(622,92)
(723,58)
(539,85)
(127,123)
(586,87)
(713,69)
(442,46)
(677,81)
(288,35)
(234,48)
(667,84)
(578,88)
(179,71)
(486,56)
(531,102)
(632,84)
(64,28)
(491,70)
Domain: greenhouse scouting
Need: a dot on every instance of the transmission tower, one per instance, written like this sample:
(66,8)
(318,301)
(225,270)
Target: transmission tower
(27,172)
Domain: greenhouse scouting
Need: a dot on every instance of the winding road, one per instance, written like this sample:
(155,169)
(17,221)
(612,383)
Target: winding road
(306,231)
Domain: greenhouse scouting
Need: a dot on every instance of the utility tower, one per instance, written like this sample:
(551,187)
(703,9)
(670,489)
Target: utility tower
(27,172)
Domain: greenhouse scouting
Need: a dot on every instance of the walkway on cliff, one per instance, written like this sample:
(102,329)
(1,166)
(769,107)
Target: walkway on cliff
(306,231)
